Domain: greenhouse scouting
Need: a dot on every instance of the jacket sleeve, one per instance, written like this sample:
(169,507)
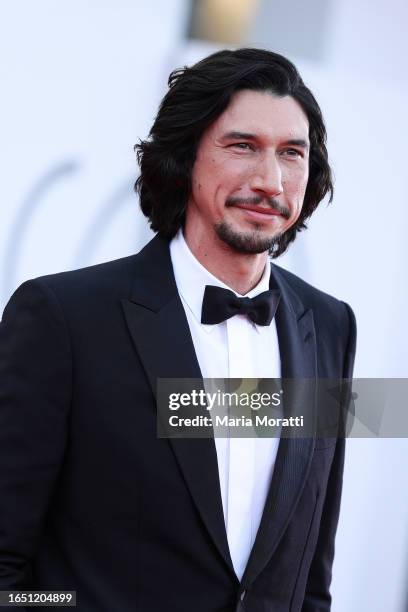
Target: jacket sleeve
(317,595)
(35,388)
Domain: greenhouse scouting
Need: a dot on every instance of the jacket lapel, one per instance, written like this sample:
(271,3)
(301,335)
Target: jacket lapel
(297,346)
(159,329)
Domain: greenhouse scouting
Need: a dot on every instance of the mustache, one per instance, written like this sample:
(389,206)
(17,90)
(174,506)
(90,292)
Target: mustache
(256,200)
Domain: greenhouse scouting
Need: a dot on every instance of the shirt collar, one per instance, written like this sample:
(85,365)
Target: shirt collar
(192,277)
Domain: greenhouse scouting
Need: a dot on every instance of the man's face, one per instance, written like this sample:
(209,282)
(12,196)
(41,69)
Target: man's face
(250,174)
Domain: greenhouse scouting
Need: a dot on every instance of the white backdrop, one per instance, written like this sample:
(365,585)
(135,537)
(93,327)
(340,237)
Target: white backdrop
(81,83)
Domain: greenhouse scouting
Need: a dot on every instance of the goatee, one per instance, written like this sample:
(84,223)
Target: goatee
(249,243)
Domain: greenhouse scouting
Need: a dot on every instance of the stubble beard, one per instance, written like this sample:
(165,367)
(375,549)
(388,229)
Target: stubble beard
(248,243)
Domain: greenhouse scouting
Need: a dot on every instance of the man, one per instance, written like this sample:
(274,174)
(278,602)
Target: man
(90,498)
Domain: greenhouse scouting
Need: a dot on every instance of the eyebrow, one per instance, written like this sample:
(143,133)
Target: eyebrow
(234,135)
(237,135)
(299,142)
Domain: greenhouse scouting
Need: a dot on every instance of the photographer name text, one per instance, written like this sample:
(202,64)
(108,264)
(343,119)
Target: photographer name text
(241,421)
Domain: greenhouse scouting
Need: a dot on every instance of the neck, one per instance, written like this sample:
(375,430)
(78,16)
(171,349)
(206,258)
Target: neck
(240,271)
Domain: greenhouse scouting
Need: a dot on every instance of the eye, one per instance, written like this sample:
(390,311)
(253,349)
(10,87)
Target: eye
(245,146)
(293,153)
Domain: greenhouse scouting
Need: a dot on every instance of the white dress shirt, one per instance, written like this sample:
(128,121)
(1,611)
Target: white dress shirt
(235,348)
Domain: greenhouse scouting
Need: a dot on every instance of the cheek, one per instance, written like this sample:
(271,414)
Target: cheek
(228,178)
(305,179)
(294,190)
(209,173)
(202,180)
(295,187)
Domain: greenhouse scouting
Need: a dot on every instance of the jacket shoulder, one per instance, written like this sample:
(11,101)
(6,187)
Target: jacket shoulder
(334,320)
(112,277)
(310,296)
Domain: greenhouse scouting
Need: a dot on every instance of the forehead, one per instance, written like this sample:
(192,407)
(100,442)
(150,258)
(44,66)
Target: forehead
(261,112)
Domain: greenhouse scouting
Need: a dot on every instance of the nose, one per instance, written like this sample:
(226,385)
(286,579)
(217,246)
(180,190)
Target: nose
(267,176)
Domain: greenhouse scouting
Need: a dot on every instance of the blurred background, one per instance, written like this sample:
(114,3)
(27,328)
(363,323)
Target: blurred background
(81,82)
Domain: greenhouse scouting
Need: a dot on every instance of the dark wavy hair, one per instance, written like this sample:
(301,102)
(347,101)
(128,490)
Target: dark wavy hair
(197,95)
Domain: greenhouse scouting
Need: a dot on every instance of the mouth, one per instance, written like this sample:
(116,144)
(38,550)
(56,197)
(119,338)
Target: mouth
(258,212)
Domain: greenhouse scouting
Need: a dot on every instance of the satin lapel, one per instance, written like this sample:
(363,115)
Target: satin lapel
(297,346)
(159,329)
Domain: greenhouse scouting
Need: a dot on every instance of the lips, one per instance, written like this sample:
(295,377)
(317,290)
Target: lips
(258,209)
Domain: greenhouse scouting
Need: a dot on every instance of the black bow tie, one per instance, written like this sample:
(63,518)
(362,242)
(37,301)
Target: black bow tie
(220,304)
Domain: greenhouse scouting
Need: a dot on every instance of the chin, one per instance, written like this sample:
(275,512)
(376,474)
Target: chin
(250,241)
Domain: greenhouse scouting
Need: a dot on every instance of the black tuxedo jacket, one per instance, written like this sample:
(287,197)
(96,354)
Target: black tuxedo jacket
(91,500)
